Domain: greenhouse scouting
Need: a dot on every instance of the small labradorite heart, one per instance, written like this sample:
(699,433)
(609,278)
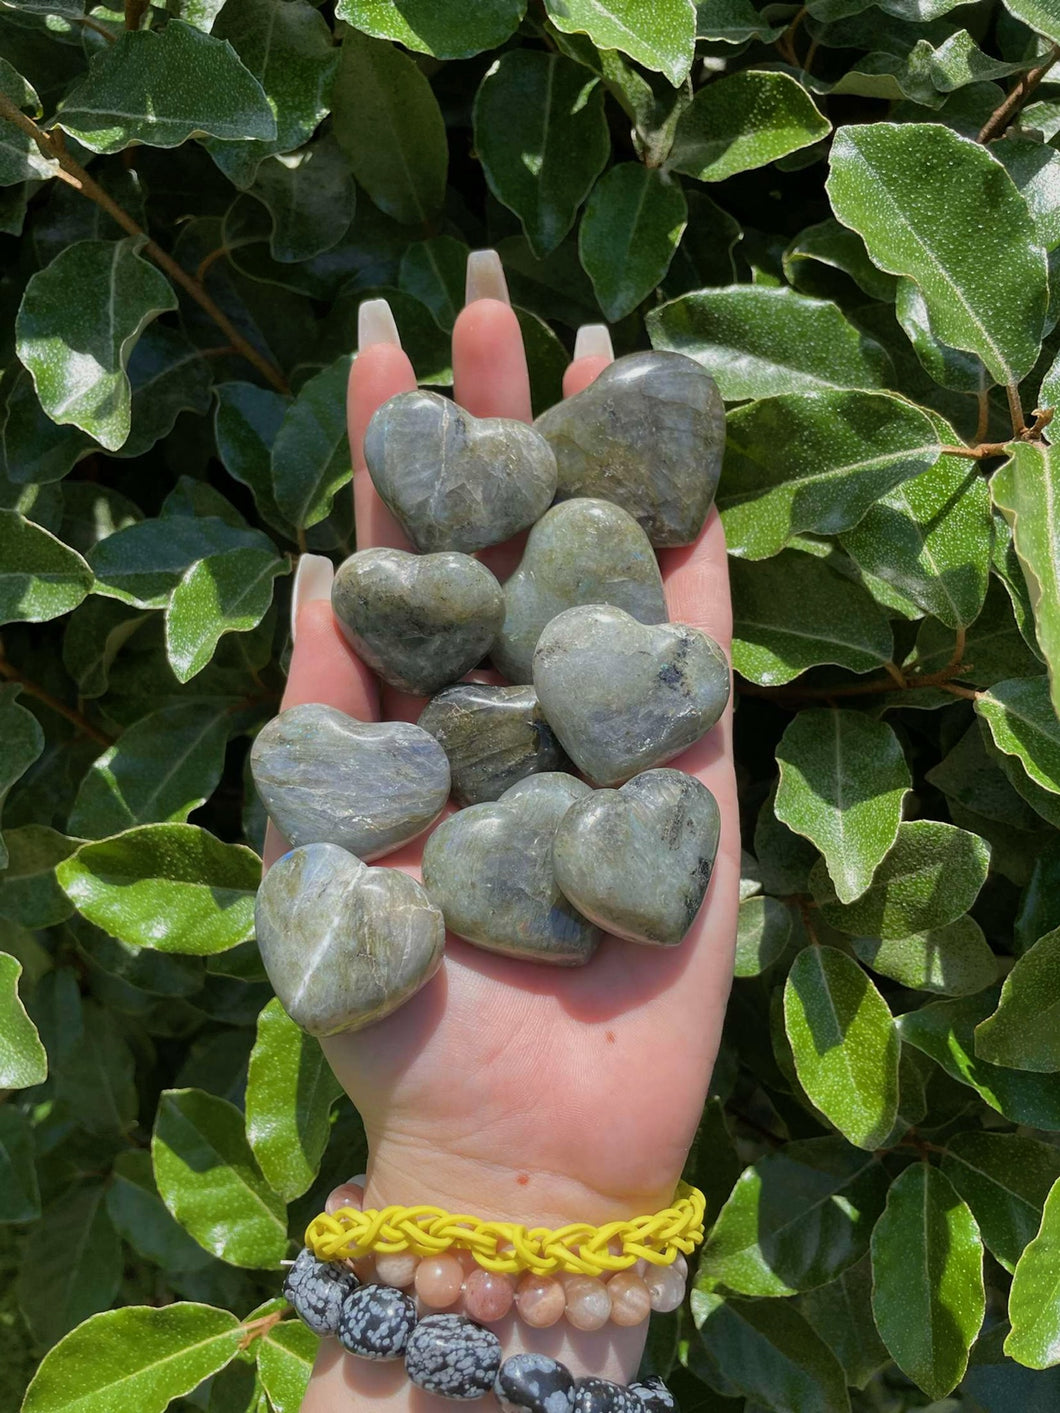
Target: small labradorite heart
(623,696)
(419,621)
(638,860)
(489,869)
(648,434)
(367,786)
(344,944)
(494,737)
(457,482)
(581,551)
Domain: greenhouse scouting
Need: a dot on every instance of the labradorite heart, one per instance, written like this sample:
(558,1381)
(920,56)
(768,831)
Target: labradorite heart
(489,869)
(457,482)
(419,621)
(624,696)
(366,786)
(581,551)
(648,434)
(344,944)
(638,860)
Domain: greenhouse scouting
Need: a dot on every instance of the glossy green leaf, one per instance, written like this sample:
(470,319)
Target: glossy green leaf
(843,778)
(742,121)
(733,22)
(541,136)
(952,368)
(1022,1032)
(1005,1180)
(245,425)
(20,158)
(173,887)
(290,1091)
(138,1357)
(931,875)
(141,1218)
(285,1360)
(953,960)
(40,577)
(1038,15)
(632,225)
(432,271)
(168,376)
(660,34)
(95,1080)
(912,191)
(21,742)
(161,87)
(23,1061)
(444,31)
(29,893)
(63,1283)
(844,1044)
(758,341)
(1034,1299)
(207,1177)
(1023,724)
(764,928)
(311,452)
(311,197)
(387,121)
(927,1268)
(19,1191)
(841,1313)
(1035,168)
(828,243)
(224,593)
(143,563)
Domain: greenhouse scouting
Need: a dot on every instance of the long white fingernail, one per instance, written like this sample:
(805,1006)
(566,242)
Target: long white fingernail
(375,324)
(593,341)
(358,1181)
(312,580)
(485,278)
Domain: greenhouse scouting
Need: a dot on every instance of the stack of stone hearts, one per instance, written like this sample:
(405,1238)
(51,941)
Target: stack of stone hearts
(537,864)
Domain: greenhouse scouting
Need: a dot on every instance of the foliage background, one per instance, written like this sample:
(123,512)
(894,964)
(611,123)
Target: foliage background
(194,198)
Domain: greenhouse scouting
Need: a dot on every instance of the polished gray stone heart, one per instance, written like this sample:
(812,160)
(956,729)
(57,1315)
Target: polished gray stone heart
(638,860)
(367,786)
(624,696)
(344,944)
(648,434)
(494,737)
(489,869)
(580,551)
(419,621)
(457,482)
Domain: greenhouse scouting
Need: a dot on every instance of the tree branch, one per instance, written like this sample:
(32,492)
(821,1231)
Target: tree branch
(1000,118)
(12,674)
(134,12)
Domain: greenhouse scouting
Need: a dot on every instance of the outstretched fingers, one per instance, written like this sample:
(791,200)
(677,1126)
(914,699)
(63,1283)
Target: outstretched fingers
(490,376)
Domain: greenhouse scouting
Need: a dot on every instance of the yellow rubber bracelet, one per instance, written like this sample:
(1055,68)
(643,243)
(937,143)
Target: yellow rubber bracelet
(505,1246)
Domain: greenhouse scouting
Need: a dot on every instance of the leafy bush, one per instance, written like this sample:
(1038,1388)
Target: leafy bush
(851,215)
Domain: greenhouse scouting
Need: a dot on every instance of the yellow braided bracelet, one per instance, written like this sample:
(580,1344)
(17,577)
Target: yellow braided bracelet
(505,1246)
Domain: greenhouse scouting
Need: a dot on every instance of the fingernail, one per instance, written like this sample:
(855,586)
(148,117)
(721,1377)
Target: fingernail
(593,341)
(375,324)
(347,1194)
(312,580)
(358,1181)
(485,278)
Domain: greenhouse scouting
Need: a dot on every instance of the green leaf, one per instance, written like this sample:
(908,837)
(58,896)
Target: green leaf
(764,928)
(208,1179)
(758,341)
(444,31)
(290,1091)
(815,462)
(95,1080)
(660,34)
(168,375)
(138,1357)
(245,426)
(1025,491)
(78,322)
(961,372)
(311,197)
(1005,1180)
(61,1284)
(794,1220)
(143,563)
(931,875)
(432,271)
(844,1044)
(285,1360)
(1021,1034)
(1023,724)
(224,593)
(311,453)
(927,1270)
(388,122)
(843,778)
(22,1058)
(632,225)
(829,243)
(141,1218)
(954,960)
(20,158)
(1035,168)
(173,887)
(742,121)
(841,1313)
(1038,15)
(21,743)
(541,136)
(29,893)
(161,87)
(19,1192)
(733,22)
(1034,1299)
(41,578)
(791,612)
(913,191)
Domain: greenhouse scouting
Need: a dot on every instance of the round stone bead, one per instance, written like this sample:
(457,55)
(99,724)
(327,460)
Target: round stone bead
(438,1280)
(488,1295)
(317,1289)
(397,1268)
(534,1383)
(666,1288)
(376,1322)
(602,1396)
(451,1356)
(588,1303)
(630,1298)
(654,1395)
(540,1300)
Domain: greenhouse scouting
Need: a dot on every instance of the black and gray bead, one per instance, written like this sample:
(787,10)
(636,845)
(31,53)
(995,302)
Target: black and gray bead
(534,1383)
(654,1395)
(317,1289)
(376,1322)
(601,1396)
(453,1357)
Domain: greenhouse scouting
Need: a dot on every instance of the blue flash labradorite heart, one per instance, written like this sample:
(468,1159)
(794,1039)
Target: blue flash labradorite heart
(638,860)
(344,944)
(624,696)
(489,869)
(581,551)
(367,786)
(648,434)
(457,482)
(419,621)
